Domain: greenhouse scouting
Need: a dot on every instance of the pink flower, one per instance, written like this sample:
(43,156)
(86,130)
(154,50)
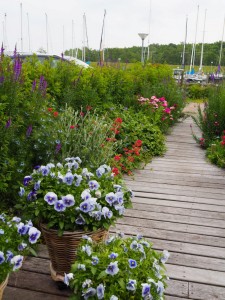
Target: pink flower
(167,110)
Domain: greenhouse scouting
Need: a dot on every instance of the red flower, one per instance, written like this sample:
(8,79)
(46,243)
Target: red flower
(88,107)
(222,143)
(130,158)
(50,109)
(55,114)
(138,143)
(118,120)
(82,114)
(115,171)
(117,157)
(72,126)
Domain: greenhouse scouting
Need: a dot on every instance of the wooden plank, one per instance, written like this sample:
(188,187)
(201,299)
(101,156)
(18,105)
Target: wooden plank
(153,188)
(180,198)
(197,261)
(161,224)
(36,282)
(211,192)
(174,298)
(177,288)
(175,235)
(180,211)
(203,291)
(177,181)
(38,264)
(12,293)
(196,275)
(179,247)
(175,218)
(186,177)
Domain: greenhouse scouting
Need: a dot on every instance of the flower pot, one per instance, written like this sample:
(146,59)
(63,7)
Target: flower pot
(3,286)
(62,249)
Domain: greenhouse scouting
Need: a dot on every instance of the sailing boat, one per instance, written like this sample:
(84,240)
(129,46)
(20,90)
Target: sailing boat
(219,75)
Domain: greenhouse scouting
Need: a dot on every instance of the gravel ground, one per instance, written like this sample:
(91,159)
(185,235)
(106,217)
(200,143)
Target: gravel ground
(192,108)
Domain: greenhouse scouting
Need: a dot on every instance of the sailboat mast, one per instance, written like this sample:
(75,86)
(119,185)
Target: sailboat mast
(46,25)
(203,38)
(150,12)
(84,40)
(185,41)
(194,44)
(28,28)
(72,37)
(21,27)
(101,42)
(221,46)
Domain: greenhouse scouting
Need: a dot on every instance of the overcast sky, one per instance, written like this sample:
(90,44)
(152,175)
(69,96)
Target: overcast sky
(163,19)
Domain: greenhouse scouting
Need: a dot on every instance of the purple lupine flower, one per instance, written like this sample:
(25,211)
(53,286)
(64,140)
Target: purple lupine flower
(59,206)
(131,285)
(15,53)
(132,263)
(145,289)
(2,50)
(34,85)
(42,85)
(100,291)
(2,78)
(26,180)
(95,260)
(80,220)
(67,278)
(29,130)
(17,68)
(89,293)
(2,257)
(113,255)
(68,200)
(17,262)
(8,123)
(50,198)
(93,185)
(112,268)
(34,235)
(58,148)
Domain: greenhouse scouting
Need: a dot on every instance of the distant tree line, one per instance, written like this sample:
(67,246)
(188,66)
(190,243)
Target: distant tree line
(170,54)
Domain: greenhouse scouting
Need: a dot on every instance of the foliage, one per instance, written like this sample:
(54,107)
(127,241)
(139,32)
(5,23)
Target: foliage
(68,197)
(16,240)
(216,152)
(119,268)
(196,91)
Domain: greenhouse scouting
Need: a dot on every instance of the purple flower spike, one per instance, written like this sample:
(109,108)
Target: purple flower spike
(2,50)
(8,123)
(29,130)
(34,85)
(58,148)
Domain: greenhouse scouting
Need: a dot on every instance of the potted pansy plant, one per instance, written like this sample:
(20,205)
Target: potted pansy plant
(16,240)
(68,200)
(118,268)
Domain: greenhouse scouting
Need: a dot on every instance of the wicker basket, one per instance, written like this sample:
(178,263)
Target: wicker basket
(62,249)
(3,286)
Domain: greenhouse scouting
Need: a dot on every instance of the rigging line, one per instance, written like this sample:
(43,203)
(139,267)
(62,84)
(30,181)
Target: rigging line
(150,13)
(102,37)
(185,41)
(221,46)
(203,39)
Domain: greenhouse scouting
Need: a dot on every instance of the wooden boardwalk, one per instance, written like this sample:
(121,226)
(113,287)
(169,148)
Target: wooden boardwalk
(179,206)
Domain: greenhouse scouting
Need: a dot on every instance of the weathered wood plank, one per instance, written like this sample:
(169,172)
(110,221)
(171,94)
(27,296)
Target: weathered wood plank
(203,291)
(179,198)
(12,293)
(178,247)
(175,218)
(173,226)
(178,288)
(196,275)
(37,264)
(36,282)
(194,212)
(211,192)
(176,235)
